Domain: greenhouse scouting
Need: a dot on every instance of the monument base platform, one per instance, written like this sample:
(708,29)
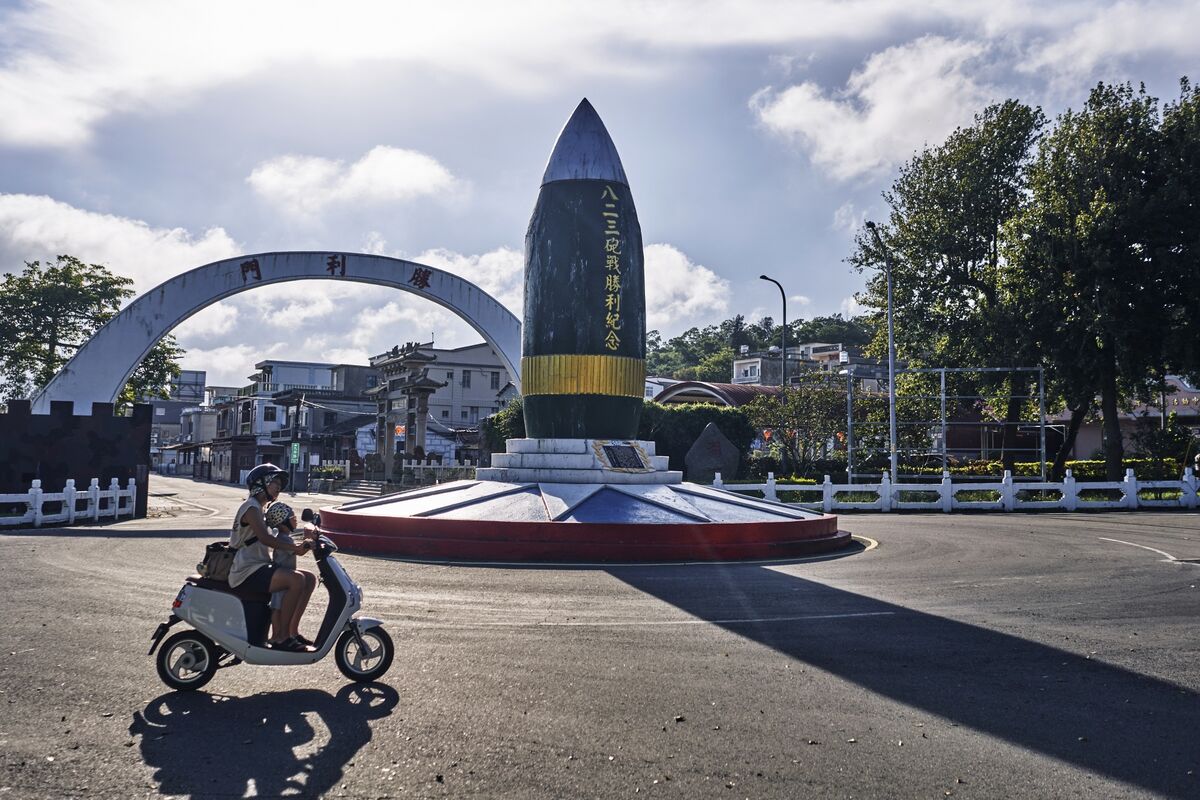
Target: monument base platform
(540,509)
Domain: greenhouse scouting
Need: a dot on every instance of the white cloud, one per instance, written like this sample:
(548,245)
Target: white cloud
(40,228)
(850,307)
(801,300)
(681,293)
(214,322)
(499,272)
(899,100)
(67,66)
(848,219)
(304,185)
(230,365)
(1110,35)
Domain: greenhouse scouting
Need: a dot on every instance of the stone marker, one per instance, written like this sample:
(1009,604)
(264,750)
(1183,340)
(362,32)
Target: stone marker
(712,453)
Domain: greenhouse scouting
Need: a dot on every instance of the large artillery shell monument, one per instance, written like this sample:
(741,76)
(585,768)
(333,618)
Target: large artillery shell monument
(581,487)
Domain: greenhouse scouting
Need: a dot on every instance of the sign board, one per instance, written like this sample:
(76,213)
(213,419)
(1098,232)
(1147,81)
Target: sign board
(295,452)
(399,430)
(314,459)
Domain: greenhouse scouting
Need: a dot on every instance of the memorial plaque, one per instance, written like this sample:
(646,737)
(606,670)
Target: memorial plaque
(623,456)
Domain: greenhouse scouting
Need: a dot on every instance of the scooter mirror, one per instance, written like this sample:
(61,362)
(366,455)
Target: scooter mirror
(306,515)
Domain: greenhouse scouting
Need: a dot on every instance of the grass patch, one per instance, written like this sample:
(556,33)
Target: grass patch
(977,496)
(856,497)
(800,495)
(913,496)
(1039,495)
(1160,494)
(1100,495)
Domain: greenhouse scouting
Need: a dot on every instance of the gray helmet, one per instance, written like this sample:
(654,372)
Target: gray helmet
(278,514)
(258,478)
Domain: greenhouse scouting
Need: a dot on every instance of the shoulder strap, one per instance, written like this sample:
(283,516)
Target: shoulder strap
(237,524)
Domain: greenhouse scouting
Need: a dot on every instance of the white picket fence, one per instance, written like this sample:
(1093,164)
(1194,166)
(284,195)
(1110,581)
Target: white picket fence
(96,503)
(1008,495)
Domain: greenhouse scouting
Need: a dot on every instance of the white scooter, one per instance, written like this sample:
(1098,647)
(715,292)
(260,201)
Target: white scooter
(231,628)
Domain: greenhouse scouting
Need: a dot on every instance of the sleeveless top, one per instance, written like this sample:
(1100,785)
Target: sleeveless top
(250,557)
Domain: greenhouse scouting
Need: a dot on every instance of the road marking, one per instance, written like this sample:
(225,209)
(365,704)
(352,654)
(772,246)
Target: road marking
(648,623)
(1163,553)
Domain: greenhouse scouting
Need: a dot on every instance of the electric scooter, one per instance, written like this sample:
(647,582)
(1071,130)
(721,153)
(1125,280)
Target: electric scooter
(230,628)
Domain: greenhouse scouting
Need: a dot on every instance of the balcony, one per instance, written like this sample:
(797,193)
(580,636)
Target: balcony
(256,389)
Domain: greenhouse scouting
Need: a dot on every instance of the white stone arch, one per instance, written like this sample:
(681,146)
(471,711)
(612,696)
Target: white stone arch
(104,363)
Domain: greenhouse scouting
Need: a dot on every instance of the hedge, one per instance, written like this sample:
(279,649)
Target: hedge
(1090,470)
(673,428)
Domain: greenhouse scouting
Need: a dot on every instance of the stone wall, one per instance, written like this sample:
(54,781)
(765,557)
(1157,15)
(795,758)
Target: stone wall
(59,445)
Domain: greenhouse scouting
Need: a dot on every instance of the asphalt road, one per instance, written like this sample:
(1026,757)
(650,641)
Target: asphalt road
(972,656)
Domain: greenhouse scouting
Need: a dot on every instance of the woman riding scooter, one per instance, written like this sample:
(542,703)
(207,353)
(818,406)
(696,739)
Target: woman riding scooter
(252,567)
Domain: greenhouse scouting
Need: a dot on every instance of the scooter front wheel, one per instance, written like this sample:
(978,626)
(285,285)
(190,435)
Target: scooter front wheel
(187,661)
(360,664)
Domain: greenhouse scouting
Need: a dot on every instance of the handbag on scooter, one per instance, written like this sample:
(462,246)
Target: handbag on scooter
(218,560)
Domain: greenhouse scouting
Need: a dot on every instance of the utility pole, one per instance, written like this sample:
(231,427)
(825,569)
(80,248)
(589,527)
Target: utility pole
(887,262)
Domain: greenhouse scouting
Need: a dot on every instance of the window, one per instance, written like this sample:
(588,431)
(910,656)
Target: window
(466,379)
(269,413)
(449,374)
(495,380)
(445,413)
(372,381)
(160,412)
(464,414)
(330,418)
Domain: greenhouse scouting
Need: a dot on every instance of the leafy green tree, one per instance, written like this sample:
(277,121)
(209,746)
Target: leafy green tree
(706,354)
(1178,214)
(1084,247)
(953,302)
(804,418)
(47,312)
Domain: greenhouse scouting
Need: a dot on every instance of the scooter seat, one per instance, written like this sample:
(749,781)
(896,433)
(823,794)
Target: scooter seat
(244,595)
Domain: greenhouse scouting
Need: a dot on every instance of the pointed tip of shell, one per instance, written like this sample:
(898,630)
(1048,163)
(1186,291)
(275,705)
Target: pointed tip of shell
(584,150)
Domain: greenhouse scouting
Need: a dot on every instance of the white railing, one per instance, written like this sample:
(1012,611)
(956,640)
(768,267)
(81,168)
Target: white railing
(119,503)
(1002,495)
(409,471)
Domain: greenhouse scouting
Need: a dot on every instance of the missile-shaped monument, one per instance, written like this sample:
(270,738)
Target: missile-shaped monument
(583,356)
(581,487)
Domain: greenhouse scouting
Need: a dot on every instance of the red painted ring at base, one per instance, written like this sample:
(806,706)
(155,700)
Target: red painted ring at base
(496,540)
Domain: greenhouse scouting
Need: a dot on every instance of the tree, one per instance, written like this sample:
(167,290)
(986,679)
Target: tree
(48,312)
(1085,247)
(952,299)
(803,418)
(1178,214)
(706,354)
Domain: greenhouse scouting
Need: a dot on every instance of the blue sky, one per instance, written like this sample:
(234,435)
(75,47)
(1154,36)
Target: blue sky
(155,137)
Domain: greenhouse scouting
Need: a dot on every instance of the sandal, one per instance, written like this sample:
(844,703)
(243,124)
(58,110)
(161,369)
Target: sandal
(292,645)
(304,640)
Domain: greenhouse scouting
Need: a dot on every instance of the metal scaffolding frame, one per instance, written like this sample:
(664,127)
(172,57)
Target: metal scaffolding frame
(942,422)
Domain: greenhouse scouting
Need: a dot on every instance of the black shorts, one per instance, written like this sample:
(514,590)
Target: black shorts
(260,579)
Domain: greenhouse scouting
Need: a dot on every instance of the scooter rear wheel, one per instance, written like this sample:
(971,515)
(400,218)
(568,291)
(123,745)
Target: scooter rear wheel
(187,661)
(364,666)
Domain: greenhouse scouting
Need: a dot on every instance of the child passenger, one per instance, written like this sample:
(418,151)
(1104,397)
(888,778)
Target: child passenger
(282,520)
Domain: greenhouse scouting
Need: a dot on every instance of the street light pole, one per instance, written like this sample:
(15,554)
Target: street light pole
(782,294)
(887,262)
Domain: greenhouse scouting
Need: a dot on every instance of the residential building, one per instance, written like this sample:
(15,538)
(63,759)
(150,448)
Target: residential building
(454,388)
(246,421)
(766,367)
(331,424)
(186,390)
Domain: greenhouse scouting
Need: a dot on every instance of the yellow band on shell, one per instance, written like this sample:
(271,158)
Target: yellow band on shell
(619,376)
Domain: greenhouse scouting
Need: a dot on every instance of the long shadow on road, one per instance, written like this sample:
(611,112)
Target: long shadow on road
(1099,717)
(205,745)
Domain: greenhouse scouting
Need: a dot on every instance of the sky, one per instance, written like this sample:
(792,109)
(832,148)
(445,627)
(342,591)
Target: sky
(157,137)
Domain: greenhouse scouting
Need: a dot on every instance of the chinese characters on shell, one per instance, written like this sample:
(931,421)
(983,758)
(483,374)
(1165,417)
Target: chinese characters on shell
(612,269)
